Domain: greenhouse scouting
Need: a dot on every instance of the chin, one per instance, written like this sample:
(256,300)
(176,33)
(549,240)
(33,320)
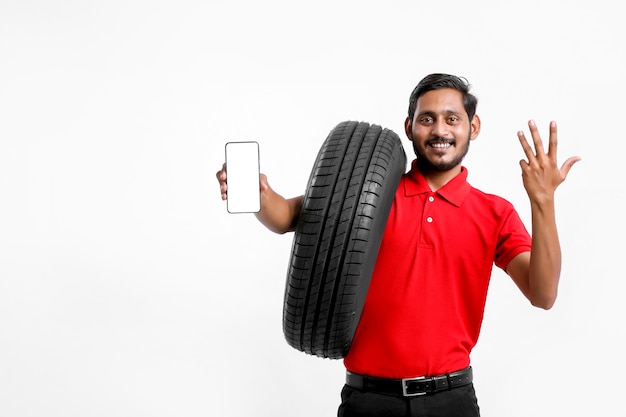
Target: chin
(438,165)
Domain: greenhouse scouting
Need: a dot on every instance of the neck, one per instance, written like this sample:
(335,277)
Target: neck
(437,179)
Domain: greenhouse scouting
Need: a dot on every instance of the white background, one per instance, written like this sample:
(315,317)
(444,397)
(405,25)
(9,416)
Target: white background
(126,288)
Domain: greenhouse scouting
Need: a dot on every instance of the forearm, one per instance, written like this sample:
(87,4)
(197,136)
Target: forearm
(277,213)
(538,277)
(545,259)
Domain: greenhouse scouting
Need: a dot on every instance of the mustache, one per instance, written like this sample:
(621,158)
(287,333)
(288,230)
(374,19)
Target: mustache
(434,140)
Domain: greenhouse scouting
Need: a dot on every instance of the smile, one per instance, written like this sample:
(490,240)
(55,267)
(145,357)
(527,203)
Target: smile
(440,145)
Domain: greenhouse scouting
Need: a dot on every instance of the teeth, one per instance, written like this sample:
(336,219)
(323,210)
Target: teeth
(440,145)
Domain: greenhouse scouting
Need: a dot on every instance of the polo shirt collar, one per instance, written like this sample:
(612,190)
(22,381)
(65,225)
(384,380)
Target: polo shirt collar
(454,191)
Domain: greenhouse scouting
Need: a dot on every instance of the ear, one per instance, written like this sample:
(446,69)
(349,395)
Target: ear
(475,127)
(408,128)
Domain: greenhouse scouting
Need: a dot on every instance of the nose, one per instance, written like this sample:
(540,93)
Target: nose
(440,128)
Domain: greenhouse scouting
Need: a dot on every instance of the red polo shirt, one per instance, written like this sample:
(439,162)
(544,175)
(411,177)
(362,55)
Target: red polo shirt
(425,304)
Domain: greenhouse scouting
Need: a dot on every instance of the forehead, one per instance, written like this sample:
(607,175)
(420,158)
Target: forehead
(442,100)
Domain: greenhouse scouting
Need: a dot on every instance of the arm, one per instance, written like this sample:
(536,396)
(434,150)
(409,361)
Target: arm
(537,273)
(277,213)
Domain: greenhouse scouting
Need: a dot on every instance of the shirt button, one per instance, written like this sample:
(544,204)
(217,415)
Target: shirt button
(431,198)
(429,219)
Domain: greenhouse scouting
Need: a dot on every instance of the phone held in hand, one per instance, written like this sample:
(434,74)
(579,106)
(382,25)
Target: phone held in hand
(242,173)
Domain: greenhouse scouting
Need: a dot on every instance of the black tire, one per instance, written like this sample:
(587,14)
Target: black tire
(336,241)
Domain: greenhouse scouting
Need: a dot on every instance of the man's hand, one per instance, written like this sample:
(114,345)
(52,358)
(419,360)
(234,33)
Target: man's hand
(540,172)
(221,176)
(537,273)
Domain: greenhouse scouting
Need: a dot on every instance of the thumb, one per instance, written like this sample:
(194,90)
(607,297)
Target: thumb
(264,185)
(568,164)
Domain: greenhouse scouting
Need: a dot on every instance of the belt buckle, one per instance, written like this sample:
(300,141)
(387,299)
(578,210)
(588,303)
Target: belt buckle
(405,387)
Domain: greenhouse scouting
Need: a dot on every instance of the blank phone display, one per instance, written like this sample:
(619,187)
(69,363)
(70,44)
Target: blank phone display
(242,170)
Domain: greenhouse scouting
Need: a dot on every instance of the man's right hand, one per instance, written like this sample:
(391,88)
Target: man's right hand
(277,213)
(221,178)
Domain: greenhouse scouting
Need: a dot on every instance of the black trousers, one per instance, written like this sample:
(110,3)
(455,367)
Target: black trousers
(458,402)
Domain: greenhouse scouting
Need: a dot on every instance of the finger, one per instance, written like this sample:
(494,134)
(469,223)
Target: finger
(567,165)
(524,165)
(525,145)
(263,184)
(224,190)
(221,177)
(536,137)
(221,174)
(552,141)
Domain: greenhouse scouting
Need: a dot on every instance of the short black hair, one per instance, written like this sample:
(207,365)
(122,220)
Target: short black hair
(438,81)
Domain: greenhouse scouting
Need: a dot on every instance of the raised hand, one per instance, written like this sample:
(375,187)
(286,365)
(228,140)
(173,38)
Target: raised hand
(540,172)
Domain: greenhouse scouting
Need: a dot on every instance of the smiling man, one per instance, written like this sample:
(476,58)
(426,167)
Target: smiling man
(410,355)
(441,125)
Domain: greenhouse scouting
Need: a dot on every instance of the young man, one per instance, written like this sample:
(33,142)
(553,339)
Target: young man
(410,355)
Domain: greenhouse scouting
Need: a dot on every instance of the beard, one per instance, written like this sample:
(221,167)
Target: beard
(426,165)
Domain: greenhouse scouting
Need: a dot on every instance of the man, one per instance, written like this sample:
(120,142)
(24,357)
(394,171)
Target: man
(410,355)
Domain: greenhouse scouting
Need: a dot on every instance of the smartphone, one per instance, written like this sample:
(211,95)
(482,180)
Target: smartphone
(242,173)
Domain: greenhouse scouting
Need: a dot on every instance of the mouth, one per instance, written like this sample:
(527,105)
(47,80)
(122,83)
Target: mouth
(440,144)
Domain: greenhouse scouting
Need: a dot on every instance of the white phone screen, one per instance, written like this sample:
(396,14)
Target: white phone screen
(242,173)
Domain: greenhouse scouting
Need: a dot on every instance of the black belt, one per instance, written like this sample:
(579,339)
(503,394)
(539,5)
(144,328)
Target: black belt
(409,387)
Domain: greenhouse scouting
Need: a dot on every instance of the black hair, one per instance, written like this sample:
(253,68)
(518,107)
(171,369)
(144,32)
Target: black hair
(439,81)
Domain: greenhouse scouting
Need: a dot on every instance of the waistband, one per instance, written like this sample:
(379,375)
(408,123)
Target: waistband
(409,387)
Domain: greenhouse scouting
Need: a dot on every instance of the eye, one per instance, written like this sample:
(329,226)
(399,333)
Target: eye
(453,119)
(426,120)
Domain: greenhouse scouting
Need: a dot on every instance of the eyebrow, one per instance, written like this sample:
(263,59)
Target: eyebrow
(432,113)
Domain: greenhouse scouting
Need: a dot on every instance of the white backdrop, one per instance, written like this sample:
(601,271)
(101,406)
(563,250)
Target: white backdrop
(126,289)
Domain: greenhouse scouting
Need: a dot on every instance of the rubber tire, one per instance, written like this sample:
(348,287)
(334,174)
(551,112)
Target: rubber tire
(336,241)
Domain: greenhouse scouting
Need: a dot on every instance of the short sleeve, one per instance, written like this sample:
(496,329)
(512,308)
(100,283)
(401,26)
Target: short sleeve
(513,239)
